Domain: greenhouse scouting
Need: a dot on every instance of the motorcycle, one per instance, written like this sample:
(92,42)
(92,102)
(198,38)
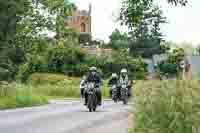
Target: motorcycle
(124,93)
(92,97)
(114,93)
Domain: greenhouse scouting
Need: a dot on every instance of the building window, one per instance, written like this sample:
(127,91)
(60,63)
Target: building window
(83,27)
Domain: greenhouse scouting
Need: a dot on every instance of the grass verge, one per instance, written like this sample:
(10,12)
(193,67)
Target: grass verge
(18,95)
(40,88)
(166,107)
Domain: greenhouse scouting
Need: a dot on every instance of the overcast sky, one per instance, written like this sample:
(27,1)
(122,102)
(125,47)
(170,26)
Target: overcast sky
(184,22)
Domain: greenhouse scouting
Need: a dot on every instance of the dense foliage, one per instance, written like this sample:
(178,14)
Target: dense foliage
(25,47)
(24,40)
(72,61)
(147,37)
(144,19)
(119,40)
(171,65)
(132,11)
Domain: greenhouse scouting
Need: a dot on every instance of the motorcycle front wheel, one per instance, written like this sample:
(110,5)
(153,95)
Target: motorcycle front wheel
(92,102)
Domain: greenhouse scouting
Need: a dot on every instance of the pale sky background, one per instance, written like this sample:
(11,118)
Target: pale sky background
(184,22)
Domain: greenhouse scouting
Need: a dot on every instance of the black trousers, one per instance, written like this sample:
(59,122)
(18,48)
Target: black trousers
(82,91)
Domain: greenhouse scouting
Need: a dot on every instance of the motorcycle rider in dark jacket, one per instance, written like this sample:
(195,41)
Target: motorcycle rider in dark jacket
(113,81)
(94,77)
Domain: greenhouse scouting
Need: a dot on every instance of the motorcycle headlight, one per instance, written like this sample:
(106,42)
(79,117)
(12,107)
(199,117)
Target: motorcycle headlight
(90,85)
(123,86)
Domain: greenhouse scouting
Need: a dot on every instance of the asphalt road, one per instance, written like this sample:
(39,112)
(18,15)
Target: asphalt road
(66,117)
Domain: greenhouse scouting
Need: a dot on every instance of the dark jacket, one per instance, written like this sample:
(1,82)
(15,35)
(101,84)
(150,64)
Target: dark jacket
(94,78)
(113,81)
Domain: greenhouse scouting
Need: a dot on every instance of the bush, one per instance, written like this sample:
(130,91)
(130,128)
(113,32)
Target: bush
(169,68)
(35,63)
(4,74)
(64,59)
(73,62)
(171,65)
(114,63)
(166,107)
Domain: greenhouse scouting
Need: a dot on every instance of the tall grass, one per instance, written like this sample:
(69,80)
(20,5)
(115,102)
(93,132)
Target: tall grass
(18,95)
(57,85)
(40,88)
(166,107)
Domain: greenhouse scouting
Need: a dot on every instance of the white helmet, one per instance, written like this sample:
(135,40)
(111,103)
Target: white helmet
(123,70)
(93,68)
(114,75)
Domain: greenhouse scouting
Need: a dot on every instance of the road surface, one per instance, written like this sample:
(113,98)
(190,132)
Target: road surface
(66,117)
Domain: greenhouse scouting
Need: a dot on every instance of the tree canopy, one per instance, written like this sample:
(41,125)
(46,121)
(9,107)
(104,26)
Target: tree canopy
(146,35)
(119,40)
(132,11)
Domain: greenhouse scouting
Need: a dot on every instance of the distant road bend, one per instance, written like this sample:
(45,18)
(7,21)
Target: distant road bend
(66,117)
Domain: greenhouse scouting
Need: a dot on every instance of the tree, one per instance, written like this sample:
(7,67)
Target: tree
(119,40)
(21,22)
(20,32)
(60,9)
(132,11)
(10,14)
(147,37)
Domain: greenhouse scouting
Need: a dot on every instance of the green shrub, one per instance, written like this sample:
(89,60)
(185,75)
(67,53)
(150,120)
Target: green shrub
(23,72)
(114,63)
(4,74)
(166,107)
(35,63)
(64,59)
(169,68)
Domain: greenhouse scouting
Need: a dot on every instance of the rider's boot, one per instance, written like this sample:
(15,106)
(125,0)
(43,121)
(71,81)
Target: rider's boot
(99,99)
(85,102)
(86,99)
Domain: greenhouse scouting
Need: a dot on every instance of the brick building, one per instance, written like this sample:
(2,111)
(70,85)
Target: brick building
(80,21)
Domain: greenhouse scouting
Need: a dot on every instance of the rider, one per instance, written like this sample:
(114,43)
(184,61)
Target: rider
(123,79)
(93,76)
(82,86)
(113,81)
